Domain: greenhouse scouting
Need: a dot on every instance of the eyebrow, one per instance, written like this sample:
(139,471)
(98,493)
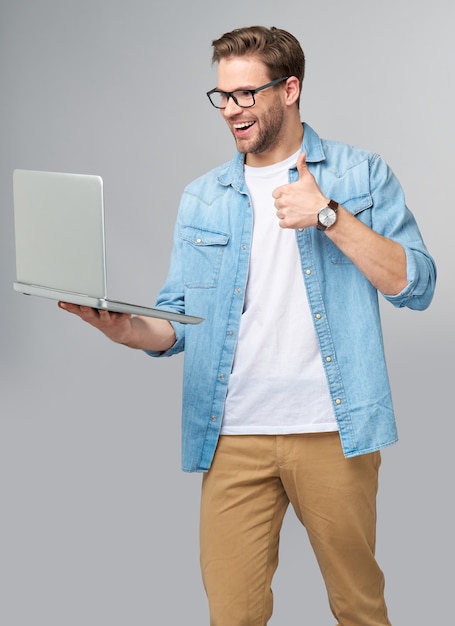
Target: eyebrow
(236,89)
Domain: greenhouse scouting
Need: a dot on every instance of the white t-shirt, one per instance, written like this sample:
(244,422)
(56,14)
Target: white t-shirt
(278,384)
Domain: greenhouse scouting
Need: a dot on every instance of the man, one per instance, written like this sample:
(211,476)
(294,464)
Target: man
(286,397)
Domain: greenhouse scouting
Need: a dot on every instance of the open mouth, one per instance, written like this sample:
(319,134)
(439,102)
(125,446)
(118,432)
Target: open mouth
(242,127)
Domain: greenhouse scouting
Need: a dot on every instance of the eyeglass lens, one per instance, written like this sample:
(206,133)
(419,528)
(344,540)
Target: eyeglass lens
(241,98)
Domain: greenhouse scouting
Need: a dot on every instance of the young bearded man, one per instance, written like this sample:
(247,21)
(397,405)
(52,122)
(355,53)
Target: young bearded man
(286,397)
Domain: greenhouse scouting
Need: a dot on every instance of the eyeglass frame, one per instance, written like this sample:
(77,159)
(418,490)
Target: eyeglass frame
(230,94)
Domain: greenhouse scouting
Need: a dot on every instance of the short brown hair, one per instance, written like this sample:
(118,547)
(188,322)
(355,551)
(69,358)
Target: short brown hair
(277,49)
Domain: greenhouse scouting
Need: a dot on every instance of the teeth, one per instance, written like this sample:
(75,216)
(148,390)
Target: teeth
(243,125)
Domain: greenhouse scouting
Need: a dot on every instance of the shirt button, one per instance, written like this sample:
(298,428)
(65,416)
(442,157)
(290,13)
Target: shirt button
(318,316)
(238,290)
(338,401)
(221,376)
(307,272)
(328,359)
(214,418)
(244,247)
(198,240)
(230,333)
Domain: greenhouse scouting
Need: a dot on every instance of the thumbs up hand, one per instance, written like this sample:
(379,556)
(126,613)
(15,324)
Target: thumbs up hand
(297,204)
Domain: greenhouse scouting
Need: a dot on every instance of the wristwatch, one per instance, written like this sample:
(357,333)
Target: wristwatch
(327,216)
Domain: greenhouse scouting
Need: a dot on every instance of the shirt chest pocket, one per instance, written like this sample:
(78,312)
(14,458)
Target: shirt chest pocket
(202,254)
(353,192)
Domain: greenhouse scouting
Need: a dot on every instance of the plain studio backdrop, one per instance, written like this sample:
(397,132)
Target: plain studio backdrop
(98,524)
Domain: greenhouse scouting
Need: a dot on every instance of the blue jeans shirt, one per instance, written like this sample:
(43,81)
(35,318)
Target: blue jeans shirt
(208,276)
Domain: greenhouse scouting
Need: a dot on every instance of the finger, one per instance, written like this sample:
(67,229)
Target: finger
(85,312)
(100,317)
(89,312)
(277,193)
(71,308)
(302,167)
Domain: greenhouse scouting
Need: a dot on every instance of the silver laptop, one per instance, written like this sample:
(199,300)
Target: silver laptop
(60,242)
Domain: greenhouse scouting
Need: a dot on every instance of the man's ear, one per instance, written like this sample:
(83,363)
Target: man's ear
(292,89)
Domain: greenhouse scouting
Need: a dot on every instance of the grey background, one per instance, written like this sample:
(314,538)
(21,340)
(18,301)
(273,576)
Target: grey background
(98,525)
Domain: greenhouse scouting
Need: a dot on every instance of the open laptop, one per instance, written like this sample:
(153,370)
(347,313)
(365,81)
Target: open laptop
(60,242)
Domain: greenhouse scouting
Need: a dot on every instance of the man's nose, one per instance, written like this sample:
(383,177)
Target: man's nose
(231,108)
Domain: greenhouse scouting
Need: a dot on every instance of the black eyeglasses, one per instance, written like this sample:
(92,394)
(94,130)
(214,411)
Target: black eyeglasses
(243,97)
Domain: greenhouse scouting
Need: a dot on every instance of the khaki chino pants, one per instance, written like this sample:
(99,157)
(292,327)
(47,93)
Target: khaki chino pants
(245,495)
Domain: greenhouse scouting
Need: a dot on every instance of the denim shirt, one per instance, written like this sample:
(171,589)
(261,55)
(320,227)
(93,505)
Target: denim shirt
(208,275)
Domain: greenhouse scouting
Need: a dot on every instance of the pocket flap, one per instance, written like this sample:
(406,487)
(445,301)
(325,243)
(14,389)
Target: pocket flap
(203,237)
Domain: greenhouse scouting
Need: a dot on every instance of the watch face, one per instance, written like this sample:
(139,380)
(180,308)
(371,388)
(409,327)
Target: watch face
(327,216)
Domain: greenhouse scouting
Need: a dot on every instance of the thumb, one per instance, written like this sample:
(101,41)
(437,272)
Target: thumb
(302,167)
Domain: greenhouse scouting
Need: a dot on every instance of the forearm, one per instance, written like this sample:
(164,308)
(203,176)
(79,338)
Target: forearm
(149,334)
(381,260)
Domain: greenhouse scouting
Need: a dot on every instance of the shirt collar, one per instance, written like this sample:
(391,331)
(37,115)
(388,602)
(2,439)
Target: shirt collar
(234,173)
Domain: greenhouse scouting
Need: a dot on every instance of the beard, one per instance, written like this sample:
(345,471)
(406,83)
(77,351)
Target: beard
(271,124)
